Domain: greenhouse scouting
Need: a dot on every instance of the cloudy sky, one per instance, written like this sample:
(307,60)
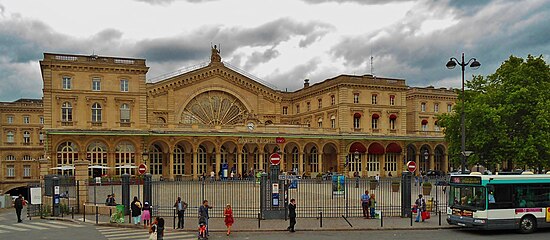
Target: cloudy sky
(280,41)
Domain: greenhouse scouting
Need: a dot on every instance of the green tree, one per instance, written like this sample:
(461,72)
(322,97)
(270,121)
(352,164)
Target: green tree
(507,116)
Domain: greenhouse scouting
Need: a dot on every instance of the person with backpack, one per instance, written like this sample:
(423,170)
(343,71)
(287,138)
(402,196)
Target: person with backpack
(420,207)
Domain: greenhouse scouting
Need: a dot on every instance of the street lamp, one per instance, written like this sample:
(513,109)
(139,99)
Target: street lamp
(474,65)
(426,155)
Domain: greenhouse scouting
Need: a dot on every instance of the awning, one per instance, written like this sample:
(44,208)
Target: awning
(65,167)
(357,147)
(375,116)
(376,148)
(98,167)
(125,166)
(357,115)
(424,121)
(393,117)
(393,148)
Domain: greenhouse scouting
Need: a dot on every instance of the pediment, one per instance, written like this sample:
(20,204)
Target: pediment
(210,72)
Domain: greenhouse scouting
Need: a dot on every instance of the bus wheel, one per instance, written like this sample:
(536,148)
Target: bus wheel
(527,224)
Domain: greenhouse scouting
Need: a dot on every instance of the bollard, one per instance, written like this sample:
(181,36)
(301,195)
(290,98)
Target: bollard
(110,213)
(439,217)
(412,218)
(174,216)
(72,213)
(381,219)
(84,213)
(259,219)
(61,213)
(321,219)
(130,217)
(96,216)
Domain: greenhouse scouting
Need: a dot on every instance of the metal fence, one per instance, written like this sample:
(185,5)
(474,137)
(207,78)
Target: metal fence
(312,196)
(243,195)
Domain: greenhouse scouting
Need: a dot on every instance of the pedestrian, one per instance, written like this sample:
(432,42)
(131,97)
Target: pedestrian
(146,214)
(160,229)
(153,230)
(372,205)
(292,215)
(136,211)
(420,207)
(212,175)
(203,214)
(356,176)
(18,205)
(180,206)
(365,204)
(228,213)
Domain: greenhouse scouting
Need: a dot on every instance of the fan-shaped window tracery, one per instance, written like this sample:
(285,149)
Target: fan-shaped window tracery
(214,108)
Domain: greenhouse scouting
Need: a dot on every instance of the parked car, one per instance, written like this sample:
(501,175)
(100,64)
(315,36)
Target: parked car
(435,173)
(460,172)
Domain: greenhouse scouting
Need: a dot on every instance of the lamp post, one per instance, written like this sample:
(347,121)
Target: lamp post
(474,65)
(426,156)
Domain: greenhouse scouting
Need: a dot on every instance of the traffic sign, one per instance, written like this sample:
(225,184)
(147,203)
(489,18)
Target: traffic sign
(142,169)
(411,166)
(275,159)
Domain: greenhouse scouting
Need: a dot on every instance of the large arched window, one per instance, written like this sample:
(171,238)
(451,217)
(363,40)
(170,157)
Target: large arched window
(256,156)
(97,155)
(223,155)
(155,155)
(245,160)
(179,160)
(67,153)
(125,158)
(295,160)
(96,113)
(67,112)
(313,160)
(203,160)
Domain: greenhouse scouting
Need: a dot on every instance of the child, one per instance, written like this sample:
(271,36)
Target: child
(202,228)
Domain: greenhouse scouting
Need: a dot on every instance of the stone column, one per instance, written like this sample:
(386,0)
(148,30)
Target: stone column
(446,163)
(400,165)
(81,177)
(417,157)
(171,166)
(261,160)
(320,160)
(300,164)
(239,161)
(431,158)
(44,165)
(383,165)
(218,163)
(195,165)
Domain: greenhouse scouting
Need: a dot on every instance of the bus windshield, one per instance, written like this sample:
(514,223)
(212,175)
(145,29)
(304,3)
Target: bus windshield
(467,197)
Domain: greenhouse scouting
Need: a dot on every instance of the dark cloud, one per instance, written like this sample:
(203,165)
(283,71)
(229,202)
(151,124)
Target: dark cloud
(257,58)
(294,78)
(491,34)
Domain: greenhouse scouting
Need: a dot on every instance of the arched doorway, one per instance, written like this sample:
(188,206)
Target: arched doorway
(375,153)
(439,158)
(354,159)
(392,159)
(330,158)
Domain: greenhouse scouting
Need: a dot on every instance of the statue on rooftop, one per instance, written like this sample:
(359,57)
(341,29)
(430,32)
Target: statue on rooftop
(215,57)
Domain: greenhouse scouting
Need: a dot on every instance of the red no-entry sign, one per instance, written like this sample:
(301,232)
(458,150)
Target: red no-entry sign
(411,166)
(275,159)
(142,169)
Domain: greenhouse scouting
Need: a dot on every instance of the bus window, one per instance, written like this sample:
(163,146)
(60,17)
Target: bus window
(467,197)
(503,197)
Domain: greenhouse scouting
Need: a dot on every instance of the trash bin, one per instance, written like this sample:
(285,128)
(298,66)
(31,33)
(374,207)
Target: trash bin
(118,215)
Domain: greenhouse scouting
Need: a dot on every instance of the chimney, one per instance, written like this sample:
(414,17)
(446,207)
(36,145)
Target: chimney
(306,83)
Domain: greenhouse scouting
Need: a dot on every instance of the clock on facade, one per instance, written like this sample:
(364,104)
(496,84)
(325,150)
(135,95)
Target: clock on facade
(250,126)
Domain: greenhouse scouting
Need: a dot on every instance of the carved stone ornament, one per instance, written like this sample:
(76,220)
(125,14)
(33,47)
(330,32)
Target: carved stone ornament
(215,108)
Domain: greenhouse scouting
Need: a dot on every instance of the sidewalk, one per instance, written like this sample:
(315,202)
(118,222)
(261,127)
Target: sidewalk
(303,224)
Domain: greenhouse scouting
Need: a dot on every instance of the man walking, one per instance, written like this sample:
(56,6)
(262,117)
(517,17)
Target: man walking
(180,206)
(18,204)
(292,215)
(203,214)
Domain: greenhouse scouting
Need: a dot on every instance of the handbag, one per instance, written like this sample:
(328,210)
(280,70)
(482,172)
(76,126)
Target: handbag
(414,208)
(425,215)
(153,236)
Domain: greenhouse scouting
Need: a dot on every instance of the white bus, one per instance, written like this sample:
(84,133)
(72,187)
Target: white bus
(500,201)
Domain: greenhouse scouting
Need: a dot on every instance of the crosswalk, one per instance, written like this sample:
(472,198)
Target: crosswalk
(26,226)
(114,233)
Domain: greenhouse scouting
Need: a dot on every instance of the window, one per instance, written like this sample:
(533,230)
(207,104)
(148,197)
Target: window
(10,119)
(124,158)
(97,155)
(285,110)
(436,107)
(124,113)
(313,161)
(374,99)
(356,98)
(393,118)
(10,137)
(449,107)
(67,83)
(356,121)
(67,154)
(319,103)
(424,125)
(179,160)
(96,112)
(392,100)
(354,162)
(333,121)
(244,163)
(26,119)
(203,161)
(374,121)
(27,158)
(10,158)
(423,107)
(295,163)
(41,120)
(320,123)
(41,137)
(297,108)
(332,99)
(156,159)
(124,85)
(308,105)
(96,84)
(67,112)
(26,170)
(10,171)
(26,137)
